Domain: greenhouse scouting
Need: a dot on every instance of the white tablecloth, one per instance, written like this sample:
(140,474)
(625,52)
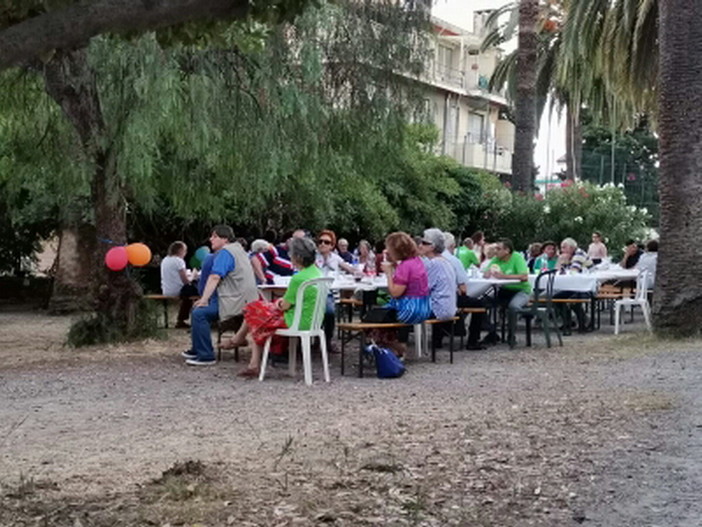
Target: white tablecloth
(477,287)
(341,283)
(587,282)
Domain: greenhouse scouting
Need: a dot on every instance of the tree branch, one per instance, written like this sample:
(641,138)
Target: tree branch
(74,26)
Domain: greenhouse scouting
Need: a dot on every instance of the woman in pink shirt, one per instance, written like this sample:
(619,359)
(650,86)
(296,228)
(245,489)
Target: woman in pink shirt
(408,286)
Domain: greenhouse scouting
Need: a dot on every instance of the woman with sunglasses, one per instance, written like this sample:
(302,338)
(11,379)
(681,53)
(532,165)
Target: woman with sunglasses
(327,260)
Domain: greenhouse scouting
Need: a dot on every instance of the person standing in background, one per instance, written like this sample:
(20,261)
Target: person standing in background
(597,251)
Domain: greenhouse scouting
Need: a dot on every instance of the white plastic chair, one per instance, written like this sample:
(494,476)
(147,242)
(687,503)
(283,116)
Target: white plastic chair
(322,285)
(641,299)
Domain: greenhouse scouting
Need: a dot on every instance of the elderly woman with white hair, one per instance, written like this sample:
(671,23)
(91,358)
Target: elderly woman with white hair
(366,256)
(442,281)
(259,261)
(440,274)
(262,318)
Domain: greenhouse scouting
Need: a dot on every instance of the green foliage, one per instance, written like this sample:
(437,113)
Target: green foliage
(40,168)
(635,162)
(576,211)
(304,125)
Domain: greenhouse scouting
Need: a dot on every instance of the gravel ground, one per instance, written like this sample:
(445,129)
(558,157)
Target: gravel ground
(604,431)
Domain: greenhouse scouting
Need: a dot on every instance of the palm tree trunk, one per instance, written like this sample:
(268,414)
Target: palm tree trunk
(574,144)
(678,295)
(525,103)
(70,81)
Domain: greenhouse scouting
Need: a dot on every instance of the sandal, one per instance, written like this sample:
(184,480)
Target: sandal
(250,373)
(230,345)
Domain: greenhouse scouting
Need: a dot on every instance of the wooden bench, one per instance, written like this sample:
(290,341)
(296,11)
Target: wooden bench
(592,300)
(165,300)
(471,310)
(360,329)
(435,321)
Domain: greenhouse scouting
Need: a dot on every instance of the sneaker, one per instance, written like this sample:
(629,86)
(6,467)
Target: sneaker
(475,347)
(188,354)
(198,362)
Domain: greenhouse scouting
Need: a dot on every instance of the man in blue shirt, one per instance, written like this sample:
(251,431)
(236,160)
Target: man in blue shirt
(206,310)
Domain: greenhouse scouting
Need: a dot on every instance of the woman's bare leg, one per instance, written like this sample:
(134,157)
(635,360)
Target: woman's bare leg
(255,360)
(239,339)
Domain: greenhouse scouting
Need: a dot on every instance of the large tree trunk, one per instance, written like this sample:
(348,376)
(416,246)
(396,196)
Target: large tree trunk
(71,83)
(74,265)
(574,144)
(678,295)
(525,103)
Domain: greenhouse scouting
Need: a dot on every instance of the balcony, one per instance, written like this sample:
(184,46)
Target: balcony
(449,76)
(464,83)
(487,155)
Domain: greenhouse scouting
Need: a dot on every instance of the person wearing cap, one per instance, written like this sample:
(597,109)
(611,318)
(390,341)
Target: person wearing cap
(548,259)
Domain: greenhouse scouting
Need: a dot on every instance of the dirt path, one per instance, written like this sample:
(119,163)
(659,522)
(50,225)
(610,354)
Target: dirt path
(605,431)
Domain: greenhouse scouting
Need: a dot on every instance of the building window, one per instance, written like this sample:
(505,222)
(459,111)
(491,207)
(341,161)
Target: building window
(476,128)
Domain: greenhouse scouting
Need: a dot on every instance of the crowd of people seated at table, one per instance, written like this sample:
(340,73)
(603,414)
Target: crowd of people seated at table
(426,278)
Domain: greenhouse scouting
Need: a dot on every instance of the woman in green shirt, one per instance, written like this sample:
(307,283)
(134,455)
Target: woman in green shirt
(263,318)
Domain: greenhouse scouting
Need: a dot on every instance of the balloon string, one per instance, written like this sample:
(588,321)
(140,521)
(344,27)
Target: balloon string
(107,240)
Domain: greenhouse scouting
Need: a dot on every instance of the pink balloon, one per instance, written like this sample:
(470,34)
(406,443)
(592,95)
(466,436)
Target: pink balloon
(116,258)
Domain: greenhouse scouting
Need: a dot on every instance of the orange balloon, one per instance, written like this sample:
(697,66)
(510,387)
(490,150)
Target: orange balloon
(138,254)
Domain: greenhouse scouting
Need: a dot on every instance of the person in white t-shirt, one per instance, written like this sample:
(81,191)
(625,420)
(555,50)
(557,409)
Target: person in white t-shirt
(175,281)
(649,262)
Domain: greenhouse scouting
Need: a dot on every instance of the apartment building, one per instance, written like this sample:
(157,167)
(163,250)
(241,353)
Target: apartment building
(471,118)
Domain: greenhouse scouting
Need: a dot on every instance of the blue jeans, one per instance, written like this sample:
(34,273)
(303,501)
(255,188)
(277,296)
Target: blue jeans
(201,333)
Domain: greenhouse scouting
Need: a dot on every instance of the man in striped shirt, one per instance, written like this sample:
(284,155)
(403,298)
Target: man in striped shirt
(572,260)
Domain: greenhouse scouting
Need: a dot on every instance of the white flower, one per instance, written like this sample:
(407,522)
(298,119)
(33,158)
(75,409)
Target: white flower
(644,210)
(547,209)
(578,219)
(620,185)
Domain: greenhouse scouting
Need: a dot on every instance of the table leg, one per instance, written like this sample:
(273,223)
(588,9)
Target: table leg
(343,352)
(362,347)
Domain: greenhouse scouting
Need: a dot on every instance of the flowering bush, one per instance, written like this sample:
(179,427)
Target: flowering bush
(575,210)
